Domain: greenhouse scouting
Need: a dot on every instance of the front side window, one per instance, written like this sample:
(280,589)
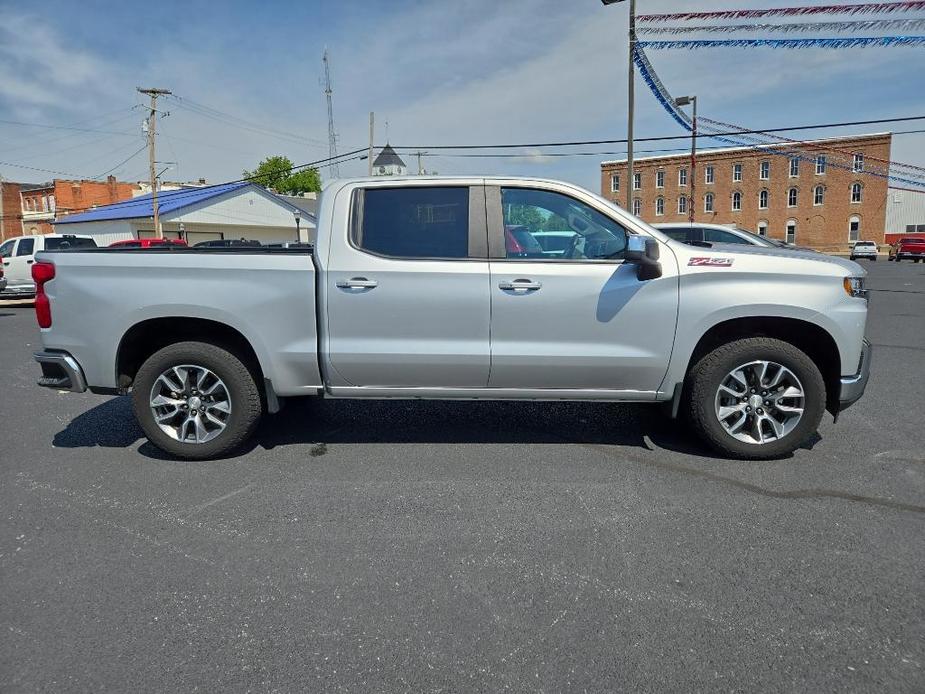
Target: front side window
(708,174)
(818,195)
(856,189)
(682,177)
(659,206)
(614,183)
(720,236)
(794,167)
(820,165)
(736,172)
(26,247)
(763,200)
(791,231)
(637,181)
(736,201)
(708,202)
(540,220)
(6,250)
(792,197)
(413,222)
(682,205)
(858,162)
(637,206)
(854,228)
(765,170)
(659,179)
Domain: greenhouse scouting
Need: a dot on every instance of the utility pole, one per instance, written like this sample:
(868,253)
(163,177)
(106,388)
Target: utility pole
(369,157)
(420,164)
(153,92)
(630,101)
(333,168)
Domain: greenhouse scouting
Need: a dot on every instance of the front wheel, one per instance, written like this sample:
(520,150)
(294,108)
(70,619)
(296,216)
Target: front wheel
(756,398)
(196,400)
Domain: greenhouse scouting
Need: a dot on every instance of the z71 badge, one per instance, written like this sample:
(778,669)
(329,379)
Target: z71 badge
(711,262)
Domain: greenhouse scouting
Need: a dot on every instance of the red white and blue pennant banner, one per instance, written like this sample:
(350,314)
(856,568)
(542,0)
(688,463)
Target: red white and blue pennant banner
(852,9)
(903,25)
(852,42)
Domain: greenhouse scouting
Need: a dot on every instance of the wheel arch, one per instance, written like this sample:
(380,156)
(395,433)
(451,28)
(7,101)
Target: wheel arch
(814,340)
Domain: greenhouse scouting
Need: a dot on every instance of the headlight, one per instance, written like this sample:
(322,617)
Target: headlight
(854,286)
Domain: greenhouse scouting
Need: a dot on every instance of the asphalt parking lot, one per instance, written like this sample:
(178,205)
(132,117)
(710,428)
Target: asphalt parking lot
(397,546)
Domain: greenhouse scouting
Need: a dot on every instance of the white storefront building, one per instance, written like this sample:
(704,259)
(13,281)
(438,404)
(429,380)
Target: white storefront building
(228,211)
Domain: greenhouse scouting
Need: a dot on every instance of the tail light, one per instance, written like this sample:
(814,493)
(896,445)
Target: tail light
(42,273)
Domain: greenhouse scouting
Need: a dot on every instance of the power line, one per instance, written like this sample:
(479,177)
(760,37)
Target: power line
(664,138)
(124,161)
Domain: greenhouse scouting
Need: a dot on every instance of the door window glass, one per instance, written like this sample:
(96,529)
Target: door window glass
(26,246)
(414,222)
(580,231)
(6,250)
(720,236)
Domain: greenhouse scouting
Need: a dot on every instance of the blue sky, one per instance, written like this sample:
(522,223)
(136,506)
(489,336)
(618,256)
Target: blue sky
(473,71)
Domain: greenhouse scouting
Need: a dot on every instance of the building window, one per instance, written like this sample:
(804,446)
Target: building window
(854,228)
(763,200)
(762,228)
(736,172)
(708,202)
(765,170)
(708,174)
(791,231)
(736,201)
(856,189)
(858,164)
(637,206)
(659,206)
(818,195)
(614,183)
(682,205)
(820,165)
(637,181)
(659,179)
(792,197)
(682,177)
(794,167)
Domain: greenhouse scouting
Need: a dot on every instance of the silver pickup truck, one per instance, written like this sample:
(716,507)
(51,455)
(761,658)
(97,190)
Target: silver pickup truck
(435,288)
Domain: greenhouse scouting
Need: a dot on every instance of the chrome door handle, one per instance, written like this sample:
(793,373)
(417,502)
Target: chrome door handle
(357,283)
(520,285)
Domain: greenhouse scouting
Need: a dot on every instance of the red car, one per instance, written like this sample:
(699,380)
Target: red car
(147,243)
(908,249)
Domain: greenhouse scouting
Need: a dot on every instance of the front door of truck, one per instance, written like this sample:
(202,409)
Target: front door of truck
(407,290)
(580,319)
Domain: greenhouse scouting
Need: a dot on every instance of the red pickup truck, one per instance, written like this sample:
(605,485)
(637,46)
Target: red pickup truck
(908,249)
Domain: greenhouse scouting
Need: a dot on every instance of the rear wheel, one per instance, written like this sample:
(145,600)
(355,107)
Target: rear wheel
(756,398)
(196,400)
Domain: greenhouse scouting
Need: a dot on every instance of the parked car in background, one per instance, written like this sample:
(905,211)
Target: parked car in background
(912,248)
(700,234)
(147,243)
(18,255)
(413,291)
(228,243)
(864,249)
(2,278)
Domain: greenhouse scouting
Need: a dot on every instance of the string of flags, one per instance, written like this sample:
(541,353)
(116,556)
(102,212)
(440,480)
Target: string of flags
(850,9)
(854,42)
(871,25)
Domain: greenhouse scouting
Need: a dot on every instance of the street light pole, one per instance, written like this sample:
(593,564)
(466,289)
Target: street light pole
(684,101)
(630,101)
(298,231)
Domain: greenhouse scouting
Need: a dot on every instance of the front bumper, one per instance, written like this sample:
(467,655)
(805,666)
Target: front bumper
(60,371)
(852,387)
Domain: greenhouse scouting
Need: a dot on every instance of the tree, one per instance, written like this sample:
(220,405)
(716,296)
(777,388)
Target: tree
(276,173)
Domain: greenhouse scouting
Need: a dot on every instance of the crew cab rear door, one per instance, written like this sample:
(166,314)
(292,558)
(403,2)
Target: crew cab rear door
(407,288)
(581,320)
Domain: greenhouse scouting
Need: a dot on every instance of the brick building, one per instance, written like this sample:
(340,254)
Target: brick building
(42,203)
(10,210)
(818,193)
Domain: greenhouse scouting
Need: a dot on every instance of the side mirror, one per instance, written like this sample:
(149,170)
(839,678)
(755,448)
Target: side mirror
(642,252)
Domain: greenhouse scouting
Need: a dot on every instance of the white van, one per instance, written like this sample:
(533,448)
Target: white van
(18,254)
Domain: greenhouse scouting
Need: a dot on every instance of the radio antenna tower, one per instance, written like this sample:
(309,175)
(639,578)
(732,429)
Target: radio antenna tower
(333,169)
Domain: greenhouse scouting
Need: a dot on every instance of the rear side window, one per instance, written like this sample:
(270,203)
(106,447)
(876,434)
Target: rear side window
(413,222)
(26,246)
(61,244)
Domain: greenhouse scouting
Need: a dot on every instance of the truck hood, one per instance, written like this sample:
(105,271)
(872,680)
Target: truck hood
(752,257)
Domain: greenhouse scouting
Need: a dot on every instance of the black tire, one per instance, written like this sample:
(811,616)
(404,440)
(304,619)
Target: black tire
(246,406)
(708,373)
